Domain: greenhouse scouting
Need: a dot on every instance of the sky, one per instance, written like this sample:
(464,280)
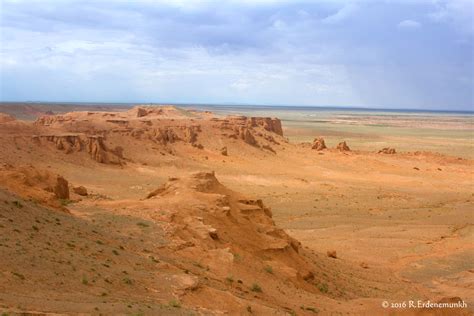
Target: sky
(414,54)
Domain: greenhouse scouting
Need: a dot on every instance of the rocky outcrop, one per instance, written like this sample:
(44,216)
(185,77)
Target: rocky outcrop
(387,150)
(191,133)
(47,120)
(141,111)
(61,189)
(93,145)
(34,184)
(166,135)
(318,144)
(342,146)
(270,124)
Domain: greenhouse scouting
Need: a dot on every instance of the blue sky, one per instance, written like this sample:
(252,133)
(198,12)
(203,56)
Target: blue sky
(392,54)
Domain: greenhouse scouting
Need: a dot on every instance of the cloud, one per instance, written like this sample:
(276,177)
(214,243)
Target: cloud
(268,52)
(409,24)
(341,15)
(459,13)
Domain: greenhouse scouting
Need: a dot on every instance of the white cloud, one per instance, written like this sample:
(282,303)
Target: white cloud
(409,24)
(459,13)
(344,13)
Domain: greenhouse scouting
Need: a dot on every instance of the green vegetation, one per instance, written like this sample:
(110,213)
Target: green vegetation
(65,202)
(323,287)
(142,224)
(256,288)
(174,303)
(230,279)
(18,275)
(312,309)
(268,269)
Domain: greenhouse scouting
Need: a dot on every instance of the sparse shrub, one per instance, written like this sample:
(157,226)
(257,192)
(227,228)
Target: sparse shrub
(115,252)
(249,309)
(18,275)
(174,303)
(127,281)
(142,224)
(18,204)
(256,288)
(268,269)
(323,287)
(312,309)
(65,202)
(85,281)
(230,279)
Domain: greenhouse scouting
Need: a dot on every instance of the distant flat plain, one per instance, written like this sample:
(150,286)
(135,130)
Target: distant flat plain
(449,133)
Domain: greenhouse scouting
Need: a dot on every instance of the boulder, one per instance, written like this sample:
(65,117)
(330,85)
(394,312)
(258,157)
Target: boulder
(224,151)
(80,190)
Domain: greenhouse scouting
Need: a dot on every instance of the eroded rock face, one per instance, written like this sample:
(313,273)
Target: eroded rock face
(342,146)
(318,144)
(47,120)
(246,135)
(61,189)
(166,135)
(94,145)
(270,124)
(387,150)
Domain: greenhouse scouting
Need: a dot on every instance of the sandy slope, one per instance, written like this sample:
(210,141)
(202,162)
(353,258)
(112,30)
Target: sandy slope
(400,233)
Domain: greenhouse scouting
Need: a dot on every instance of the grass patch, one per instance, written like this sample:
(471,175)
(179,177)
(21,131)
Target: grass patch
(312,309)
(174,303)
(19,275)
(65,202)
(256,288)
(323,287)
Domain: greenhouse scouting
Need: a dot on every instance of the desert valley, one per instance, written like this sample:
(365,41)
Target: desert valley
(163,210)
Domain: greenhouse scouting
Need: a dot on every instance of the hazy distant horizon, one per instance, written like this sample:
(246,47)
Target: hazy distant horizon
(243,106)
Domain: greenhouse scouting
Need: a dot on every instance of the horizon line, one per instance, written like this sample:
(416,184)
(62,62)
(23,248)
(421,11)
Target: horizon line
(341,107)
